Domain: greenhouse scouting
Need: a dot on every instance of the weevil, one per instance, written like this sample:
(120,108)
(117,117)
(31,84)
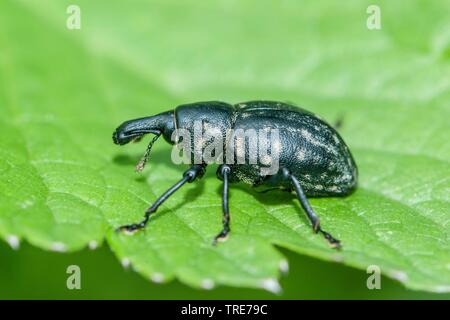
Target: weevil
(313,160)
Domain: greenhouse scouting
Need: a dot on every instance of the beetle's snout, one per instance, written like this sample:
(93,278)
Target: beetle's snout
(134,130)
(119,137)
(127,132)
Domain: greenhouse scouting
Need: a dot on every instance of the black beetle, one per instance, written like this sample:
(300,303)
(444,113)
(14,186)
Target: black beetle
(313,158)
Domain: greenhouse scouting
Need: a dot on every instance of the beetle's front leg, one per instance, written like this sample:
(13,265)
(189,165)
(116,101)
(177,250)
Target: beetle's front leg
(223,171)
(194,172)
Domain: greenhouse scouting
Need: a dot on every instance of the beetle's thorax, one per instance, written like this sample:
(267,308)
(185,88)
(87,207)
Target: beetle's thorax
(194,120)
(214,114)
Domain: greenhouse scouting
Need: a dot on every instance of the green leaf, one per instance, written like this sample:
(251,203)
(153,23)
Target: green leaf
(65,186)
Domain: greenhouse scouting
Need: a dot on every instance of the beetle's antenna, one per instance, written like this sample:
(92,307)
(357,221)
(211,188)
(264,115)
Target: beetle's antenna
(141,164)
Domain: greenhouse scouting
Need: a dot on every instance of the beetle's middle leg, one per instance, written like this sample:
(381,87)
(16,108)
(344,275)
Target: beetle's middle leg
(312,216)
(194,172)
(223,172)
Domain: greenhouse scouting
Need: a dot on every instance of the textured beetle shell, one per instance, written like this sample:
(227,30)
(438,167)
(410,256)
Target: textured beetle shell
(212,114)
(309,147)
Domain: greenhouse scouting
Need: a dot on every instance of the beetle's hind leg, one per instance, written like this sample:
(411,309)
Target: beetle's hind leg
(224,171)
(312,216)
(196,171)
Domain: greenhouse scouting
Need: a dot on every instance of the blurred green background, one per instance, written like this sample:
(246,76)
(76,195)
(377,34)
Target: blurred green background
(135,57)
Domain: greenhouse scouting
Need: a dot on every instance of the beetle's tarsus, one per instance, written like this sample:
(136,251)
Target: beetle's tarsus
(221,237)
(335,243)
(131,228)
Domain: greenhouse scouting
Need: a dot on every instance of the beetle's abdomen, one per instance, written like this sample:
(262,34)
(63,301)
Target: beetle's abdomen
(309,147)
(321,160)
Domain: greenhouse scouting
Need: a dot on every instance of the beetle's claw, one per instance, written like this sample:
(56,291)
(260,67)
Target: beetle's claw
(337,245)
(334,243)
(130,228)
(221,237)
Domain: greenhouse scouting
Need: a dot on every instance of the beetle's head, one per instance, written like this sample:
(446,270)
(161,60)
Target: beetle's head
(134,130)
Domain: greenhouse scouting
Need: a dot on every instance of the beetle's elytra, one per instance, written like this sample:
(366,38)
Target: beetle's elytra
(312,158)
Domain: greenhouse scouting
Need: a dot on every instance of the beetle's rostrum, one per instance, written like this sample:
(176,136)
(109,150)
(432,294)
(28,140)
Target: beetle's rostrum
(313,158)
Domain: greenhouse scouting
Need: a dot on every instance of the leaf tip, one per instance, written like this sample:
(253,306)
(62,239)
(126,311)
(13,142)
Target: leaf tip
(93,245)
(13,241)
(157,277)
(283,266)
(58,247)
(271,285)
(207,284)
(399,275)
(125,263)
